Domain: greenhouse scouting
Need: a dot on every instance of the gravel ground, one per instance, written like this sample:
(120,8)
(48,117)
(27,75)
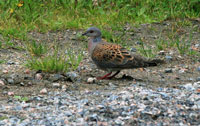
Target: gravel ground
(132,105)
(164,95)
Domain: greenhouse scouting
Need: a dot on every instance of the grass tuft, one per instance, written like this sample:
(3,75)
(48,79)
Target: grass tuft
(56,62)
(36,49)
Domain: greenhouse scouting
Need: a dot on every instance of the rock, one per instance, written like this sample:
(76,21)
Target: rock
(43,91)
(91,80)
(198,68)
(10,62)
(74,33)
(11,93)
(182,71)
(168,58)
(118,121)
(10,81)
(72,76)
(168,70)
(38,76)
(2,83)
(27,71)
(64,87)
(138,43)
(197,45)
(56,85)
(189,87)
(56,77)
(22,83)
(5,71)
(162,52)
(198,78)
(93,117)
(133,50)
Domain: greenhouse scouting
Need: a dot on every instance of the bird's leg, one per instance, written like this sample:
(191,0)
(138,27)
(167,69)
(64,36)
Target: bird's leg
(104,77)
(112,75)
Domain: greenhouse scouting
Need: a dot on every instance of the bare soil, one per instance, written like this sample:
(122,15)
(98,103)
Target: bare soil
(184,67)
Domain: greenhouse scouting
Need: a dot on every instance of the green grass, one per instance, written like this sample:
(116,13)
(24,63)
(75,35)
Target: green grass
(3,117)
(36,49)
(17,17)
(2,61)
(56,62)
(146,51)
(20,98)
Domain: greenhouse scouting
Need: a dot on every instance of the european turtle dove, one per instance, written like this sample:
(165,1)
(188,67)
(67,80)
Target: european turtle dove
(112,57)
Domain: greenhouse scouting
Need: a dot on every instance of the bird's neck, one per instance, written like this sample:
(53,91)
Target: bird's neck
(92,43)
(96,39)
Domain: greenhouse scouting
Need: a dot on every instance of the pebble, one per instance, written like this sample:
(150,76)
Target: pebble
(56,85)
(64,87)
(162,52)
(91,80)
(197,45)
(138,43)
(133,49)
(168,58)
(11,93)
(129,105)
(198,68)
(72,76)
(10,81)
(168,70)
(5,71)
(27,71)
(56,77)
(10,62)
(43,91)
(38,76)
(189,87)
(2,83)
(182,71)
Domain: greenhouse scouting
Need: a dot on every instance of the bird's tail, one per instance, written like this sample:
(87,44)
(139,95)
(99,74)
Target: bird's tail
(154,62)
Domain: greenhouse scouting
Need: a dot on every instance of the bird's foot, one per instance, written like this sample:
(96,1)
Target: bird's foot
(107,76)
(104,78)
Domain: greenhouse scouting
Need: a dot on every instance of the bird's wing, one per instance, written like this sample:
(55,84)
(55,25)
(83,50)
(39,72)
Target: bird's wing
(111,55)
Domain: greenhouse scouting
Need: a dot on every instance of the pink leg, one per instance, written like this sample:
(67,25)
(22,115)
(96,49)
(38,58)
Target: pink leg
(104,77)
(113,75)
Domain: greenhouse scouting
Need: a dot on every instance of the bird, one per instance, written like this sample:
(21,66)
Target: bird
(112,57)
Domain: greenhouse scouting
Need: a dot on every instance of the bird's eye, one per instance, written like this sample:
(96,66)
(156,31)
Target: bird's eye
(91,31)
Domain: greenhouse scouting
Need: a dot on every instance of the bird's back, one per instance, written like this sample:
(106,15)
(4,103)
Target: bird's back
(112,56)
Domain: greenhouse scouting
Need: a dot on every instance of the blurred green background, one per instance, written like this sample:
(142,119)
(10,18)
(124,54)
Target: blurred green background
(17,17)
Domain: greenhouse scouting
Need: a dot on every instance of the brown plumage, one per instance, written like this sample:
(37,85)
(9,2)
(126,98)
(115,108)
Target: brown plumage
(112,57)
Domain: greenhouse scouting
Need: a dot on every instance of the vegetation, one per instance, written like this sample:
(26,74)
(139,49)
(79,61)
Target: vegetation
(56,62)
(18,17)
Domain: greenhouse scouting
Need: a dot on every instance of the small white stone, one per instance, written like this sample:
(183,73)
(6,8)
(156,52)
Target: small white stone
(162,52)
(11,93)
(181,71)
(91,80)
(43,91)
(74,33)
(38,76)
(56,85)
(1,83)
(5,71)
(64,87)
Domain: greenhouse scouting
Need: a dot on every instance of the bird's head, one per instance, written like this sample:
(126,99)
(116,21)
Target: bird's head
(92,32)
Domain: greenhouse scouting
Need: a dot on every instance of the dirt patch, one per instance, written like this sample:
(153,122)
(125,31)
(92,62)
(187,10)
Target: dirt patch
(179,69)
